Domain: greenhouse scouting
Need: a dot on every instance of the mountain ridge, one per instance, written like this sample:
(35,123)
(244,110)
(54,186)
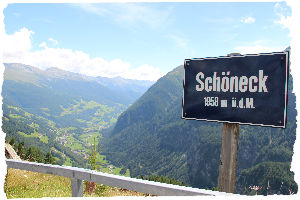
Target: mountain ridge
(58,72)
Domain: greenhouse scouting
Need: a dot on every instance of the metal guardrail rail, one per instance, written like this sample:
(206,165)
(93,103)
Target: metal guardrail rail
(77,176)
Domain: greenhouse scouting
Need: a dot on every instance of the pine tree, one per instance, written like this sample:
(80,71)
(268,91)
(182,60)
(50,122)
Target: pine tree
(34,154)
(94,164)
(49,159)
(21,150)
(94,156)
(12,141)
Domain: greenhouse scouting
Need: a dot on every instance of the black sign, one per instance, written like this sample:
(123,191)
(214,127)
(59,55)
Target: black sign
(245,89)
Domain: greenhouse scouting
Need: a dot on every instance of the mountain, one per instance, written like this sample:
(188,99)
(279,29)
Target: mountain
(59,94)
(125,86)
(58,82)
(58,108)
(150,138)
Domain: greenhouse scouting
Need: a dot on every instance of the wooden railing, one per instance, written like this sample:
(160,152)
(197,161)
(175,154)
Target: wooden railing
(77,175)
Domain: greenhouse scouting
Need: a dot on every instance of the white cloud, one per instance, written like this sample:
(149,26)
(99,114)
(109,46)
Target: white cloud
(129,14)
(258,46)
(284,20)
(17,43)
(18,49)
(248,20)
(43,44)
(143,71)
(54,42)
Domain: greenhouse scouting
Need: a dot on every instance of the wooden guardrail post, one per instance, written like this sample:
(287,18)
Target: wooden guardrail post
(77,187)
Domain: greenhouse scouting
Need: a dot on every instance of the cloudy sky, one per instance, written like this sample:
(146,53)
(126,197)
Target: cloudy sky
(139,40)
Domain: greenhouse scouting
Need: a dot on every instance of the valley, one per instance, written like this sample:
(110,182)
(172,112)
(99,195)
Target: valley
(62,112)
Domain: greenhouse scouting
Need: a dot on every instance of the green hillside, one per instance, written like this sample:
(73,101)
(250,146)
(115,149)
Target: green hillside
(276,174)
(150,138)
(59,111)
(69,144)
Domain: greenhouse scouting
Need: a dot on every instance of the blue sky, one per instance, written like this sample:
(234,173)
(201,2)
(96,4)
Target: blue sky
(139,40)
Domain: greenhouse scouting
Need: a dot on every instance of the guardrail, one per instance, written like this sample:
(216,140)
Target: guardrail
(77,176)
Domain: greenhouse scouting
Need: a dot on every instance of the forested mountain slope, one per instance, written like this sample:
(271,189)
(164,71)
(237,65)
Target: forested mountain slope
(151,138)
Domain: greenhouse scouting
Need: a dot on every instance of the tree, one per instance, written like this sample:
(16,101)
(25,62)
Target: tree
(34,154)
(21,150)
(162,179)
(12,141)
(94,163)
(94,156)
(49,159)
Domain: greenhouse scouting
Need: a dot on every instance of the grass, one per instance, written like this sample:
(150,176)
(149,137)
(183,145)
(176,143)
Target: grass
(26,184)
(44,139)
(68,162)
(113,120)
(33,135)
(16,116)
(84,105)
(13,107)
(34,125)
(73,143)
(27,114)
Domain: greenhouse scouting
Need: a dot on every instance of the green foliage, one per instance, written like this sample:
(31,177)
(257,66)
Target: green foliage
(43,135)
(94,154)
(100,189)
(21,150)
(12,141)
(34,154)
(44,139)
(162,179)
(49,159)
(277,174)
(16,116)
